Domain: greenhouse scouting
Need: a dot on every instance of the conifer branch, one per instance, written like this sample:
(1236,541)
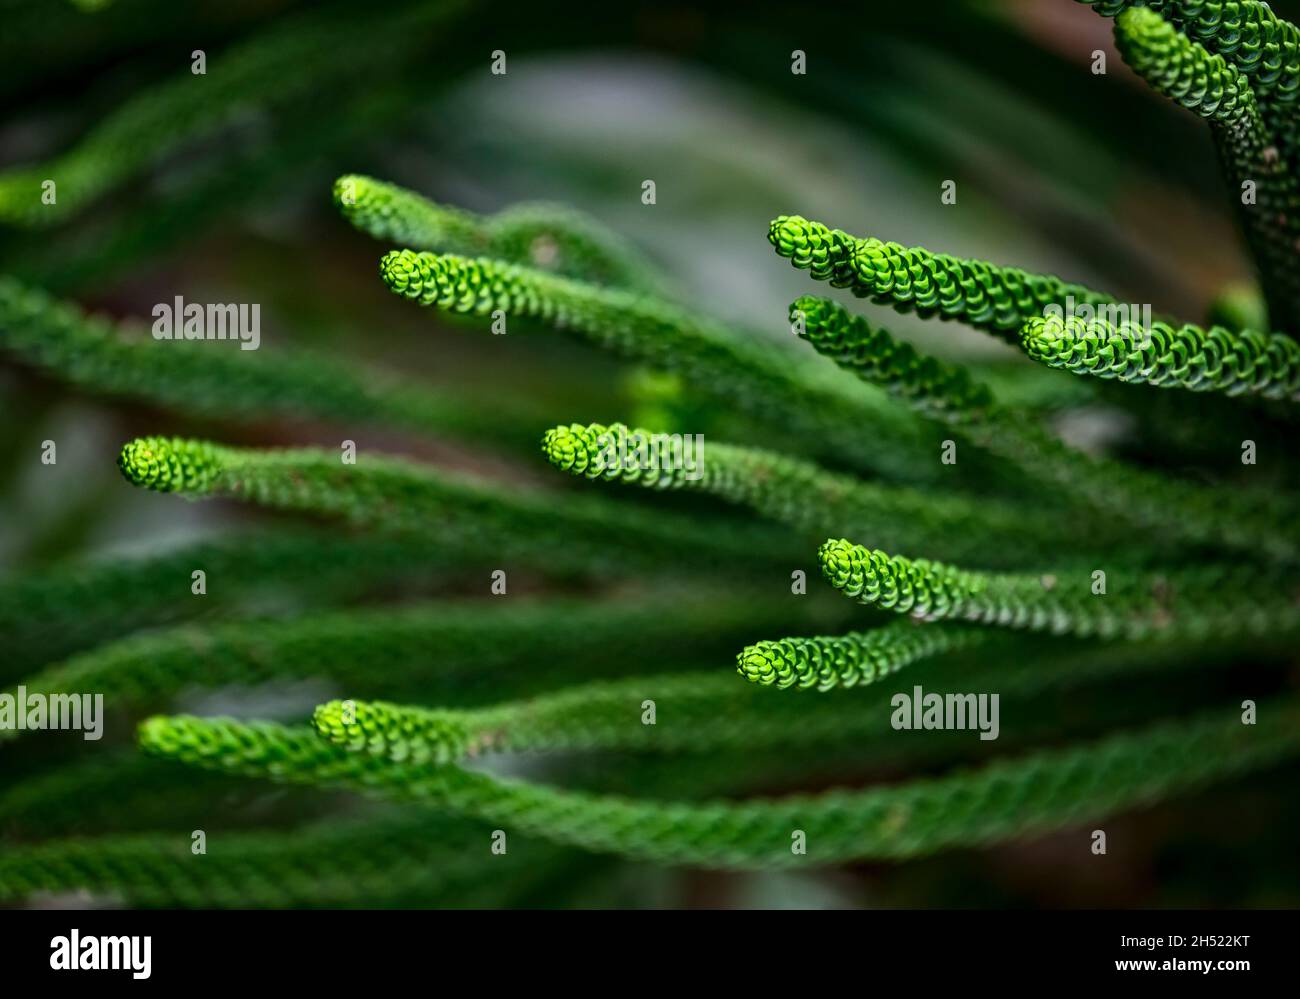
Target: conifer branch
(1030,794)
(944,392)
(52,613)
(359,863)
(400,216)
(402,498)
(1179,68)
(287,754)
(123,791)
(1187,356)
(1253,61)
(418,736)
(772,386)
(1050,690)
(1137,604)
(854,659)
(694,712)
(117,239)
(974,657)
(1257,42)
(986,296)
(935,388)
(119,360)
(805,496)
(306,54)
(386,652)
(548,237)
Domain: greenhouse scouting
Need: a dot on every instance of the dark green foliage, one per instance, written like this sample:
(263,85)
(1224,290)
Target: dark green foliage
(805,496)
(49,614)
(400,860)
(456,652)
(1143,498)
(319,49)
(1252,149)
(549,237)
(236,385)
(984,295)
(1213,360)
(1137,604)
(406,499)
(771,386)
(1033,793)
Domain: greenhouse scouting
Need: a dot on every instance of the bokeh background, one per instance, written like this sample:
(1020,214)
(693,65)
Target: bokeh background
(1057,169)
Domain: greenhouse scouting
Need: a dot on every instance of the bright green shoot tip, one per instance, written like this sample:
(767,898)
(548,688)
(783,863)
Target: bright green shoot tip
(852,660)
(619,452)
(170,464)
(1119,602)
(1187,356)
(404,734)
(987,296)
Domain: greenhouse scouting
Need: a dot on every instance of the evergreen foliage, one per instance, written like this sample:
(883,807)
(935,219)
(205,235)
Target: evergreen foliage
(409,616)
